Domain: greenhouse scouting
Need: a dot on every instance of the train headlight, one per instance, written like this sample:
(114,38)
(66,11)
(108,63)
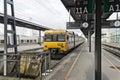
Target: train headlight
(60,44)
(45,46)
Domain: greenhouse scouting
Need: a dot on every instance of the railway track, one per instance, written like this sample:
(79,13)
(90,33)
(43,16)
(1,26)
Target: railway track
(54,63)
(112,49)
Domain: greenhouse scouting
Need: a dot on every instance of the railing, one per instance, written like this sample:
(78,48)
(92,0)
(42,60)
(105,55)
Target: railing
(32,64)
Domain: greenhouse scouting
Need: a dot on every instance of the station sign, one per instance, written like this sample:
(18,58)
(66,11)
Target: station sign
(83,6)
(111,6)
(74,25)
(77,25)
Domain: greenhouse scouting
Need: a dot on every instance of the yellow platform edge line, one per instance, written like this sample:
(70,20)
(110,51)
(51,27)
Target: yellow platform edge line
(71,68)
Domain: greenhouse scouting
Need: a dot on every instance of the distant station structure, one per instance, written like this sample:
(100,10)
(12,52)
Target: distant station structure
(25,24)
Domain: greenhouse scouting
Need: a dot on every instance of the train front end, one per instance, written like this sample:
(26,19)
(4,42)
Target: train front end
(55,41)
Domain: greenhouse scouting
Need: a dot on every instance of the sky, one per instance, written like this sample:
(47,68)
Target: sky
(49,13)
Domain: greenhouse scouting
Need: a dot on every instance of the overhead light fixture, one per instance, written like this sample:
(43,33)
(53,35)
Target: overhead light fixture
(85,24)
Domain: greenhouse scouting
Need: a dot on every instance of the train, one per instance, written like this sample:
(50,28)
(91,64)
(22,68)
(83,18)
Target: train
(61,41)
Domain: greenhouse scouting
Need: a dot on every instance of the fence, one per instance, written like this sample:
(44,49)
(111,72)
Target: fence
(30,64)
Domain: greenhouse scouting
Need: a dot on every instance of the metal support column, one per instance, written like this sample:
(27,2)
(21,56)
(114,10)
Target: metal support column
(5,38)
(11,20)
(39,37)
(98,39)
(89,39)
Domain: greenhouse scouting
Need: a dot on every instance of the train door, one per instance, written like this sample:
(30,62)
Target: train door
(18,39)
(68,42)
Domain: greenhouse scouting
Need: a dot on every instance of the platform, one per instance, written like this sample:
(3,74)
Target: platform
(81,66)
(24,47)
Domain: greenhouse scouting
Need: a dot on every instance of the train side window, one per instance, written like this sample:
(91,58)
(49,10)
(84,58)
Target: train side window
(2,41)
(67,37)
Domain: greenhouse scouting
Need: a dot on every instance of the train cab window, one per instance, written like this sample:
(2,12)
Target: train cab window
(55,37)
(48,38)
(61,37)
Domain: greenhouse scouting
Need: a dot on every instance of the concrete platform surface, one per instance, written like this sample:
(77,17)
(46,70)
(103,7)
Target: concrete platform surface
(81,66)
(84,67)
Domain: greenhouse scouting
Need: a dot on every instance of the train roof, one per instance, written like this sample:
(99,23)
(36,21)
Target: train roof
(59,31)
(55,31)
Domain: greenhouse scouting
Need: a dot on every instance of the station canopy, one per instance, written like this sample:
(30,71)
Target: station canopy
(85,14)
(25,24)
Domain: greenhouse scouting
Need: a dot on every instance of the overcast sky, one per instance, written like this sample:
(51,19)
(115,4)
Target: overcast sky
(49,13)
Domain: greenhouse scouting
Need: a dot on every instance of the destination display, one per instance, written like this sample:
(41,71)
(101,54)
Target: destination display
(83,6)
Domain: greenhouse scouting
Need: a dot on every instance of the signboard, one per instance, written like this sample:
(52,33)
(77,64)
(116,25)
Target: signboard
(73,25)
(77,25)
(83,6)
(83,25)
(111,6)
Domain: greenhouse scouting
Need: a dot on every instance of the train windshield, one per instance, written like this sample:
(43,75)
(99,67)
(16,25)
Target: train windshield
(48,37)
(54,37)
(61,37)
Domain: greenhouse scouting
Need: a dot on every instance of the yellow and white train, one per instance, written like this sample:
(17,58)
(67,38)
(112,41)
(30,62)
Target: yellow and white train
(61,41)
